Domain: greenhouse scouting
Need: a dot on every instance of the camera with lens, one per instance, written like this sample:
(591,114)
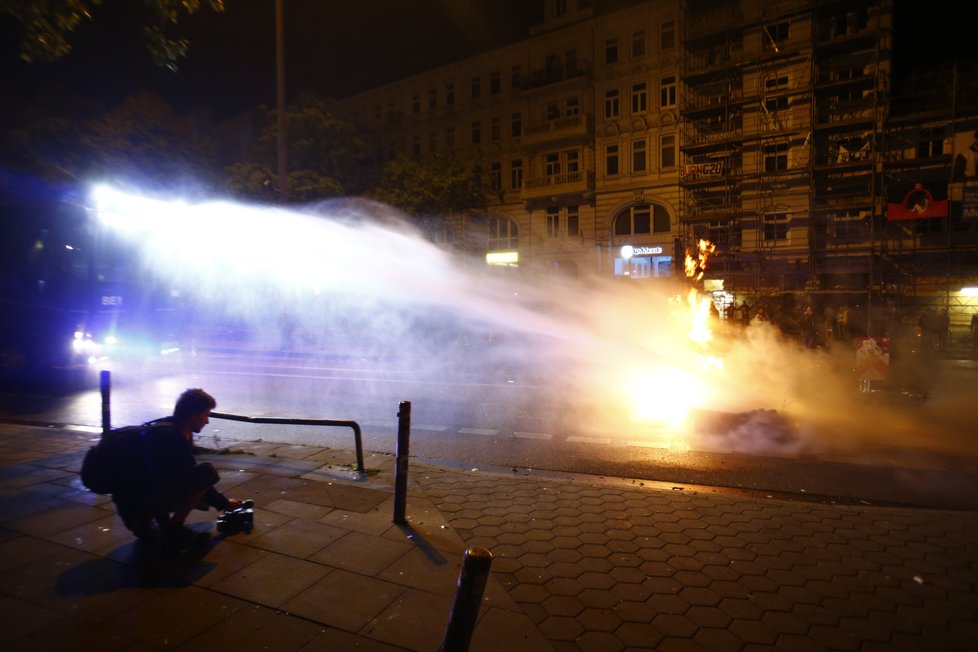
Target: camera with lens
(239,519)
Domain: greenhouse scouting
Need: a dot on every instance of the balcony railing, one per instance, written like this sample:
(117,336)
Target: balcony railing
(557,74)
(696,102)
(578,181)
(705,60)
(571,126)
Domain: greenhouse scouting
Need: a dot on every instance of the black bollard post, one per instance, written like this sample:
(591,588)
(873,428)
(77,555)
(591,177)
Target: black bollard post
(105,384)
(465,607)
(401,462)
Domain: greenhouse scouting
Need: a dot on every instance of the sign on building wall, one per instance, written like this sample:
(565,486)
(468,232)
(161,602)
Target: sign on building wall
(969,200)
(694,170)
(965,166)
(917,195)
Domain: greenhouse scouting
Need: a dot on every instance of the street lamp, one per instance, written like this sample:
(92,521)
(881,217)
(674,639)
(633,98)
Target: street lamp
(283,175)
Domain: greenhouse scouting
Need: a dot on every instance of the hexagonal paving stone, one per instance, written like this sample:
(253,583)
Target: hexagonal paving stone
(563,605)
(639,635)
(601,620)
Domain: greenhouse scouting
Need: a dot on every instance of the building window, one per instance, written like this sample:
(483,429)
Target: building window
(496,176)
(495,129)
(495,82)
(774,36)
(634,221)
(573,221)
(611,160)
(778,83)
(572,106)
(849,225)
(667,151)
(638,43)
(416,103)
(516,125)
(432,141)
(776,104)
(449,137)
(416,146)
(476,87)
(639,155)
(775,227)
(516,77)
(639,97)
(572,162)
(776,157)
(516,174)
(725,235)
(552,164)
(667,92)
(432,99)
(476,132)
(560,8)
(611,50)
(642,219)
(930,143)
(611,107)
(667,35)
(449,94)
(570,62)
(503,234)
(553,222)
(553,111)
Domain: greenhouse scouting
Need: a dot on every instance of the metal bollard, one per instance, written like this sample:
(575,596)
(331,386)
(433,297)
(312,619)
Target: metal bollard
(465,607)
(105,384)
(401,462)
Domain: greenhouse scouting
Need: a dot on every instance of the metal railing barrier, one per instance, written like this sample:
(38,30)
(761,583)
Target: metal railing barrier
(357,435)
(105,386)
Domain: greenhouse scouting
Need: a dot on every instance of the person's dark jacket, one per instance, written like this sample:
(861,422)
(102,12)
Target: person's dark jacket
(164,471)
(174,470)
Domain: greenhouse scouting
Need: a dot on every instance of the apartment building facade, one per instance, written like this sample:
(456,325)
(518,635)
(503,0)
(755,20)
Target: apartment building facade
(610,141)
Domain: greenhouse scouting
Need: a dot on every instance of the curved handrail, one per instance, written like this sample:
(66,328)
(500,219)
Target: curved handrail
(357,435)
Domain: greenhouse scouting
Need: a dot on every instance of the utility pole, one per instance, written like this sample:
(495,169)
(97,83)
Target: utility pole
(283,173)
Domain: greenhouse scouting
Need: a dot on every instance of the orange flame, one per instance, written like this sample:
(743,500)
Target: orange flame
(696,266)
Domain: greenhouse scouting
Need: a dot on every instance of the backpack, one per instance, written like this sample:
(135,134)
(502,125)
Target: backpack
(117,460)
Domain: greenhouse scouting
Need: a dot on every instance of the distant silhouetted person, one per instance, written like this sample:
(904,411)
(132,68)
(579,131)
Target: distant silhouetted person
(745,314)
(942,330)
(974,334)
(842,323)
(761,317)
(808,327)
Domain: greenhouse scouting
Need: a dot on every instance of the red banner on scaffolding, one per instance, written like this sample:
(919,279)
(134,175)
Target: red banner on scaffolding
(916,202)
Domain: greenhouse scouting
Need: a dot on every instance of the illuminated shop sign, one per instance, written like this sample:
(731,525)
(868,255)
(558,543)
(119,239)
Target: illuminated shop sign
(503,258)
(628,251)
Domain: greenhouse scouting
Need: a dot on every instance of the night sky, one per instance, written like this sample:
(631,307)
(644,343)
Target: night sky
(333,49)
(336,48)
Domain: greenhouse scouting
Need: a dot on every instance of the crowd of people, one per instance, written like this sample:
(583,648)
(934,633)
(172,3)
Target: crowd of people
(836,324)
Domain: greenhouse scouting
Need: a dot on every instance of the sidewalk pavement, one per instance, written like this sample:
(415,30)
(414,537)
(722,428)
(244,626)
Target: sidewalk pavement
(580,563)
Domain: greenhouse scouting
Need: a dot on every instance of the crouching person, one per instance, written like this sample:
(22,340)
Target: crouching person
(155,504)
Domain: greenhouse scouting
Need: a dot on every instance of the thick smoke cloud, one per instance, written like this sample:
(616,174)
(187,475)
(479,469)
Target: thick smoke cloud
(354,277)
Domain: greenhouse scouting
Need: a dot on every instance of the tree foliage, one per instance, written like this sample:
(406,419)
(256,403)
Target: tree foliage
(144,140)
(141,141)
(438,186)
(48,26)
(325,155)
